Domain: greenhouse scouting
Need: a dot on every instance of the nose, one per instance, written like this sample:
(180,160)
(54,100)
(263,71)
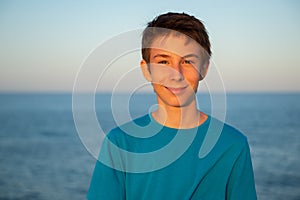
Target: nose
(176,72)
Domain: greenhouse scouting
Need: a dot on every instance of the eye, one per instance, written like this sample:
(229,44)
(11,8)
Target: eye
(188,62)
(163,62)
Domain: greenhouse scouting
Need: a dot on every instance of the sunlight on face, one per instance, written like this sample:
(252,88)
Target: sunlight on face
(174,67)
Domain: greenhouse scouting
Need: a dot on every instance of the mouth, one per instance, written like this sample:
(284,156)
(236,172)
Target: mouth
(176,90)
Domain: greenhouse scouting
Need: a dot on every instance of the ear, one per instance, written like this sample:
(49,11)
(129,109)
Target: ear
(146,70)
(203,70)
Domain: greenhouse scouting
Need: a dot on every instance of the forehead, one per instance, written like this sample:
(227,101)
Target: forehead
(177,44)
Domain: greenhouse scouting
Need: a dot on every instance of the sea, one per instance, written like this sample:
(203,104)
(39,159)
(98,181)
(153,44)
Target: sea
(43,158)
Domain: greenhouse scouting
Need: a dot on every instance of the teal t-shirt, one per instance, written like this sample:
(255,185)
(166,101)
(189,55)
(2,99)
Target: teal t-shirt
(143,160)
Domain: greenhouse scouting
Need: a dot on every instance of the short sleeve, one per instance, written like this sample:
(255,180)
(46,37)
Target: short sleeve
(241,181)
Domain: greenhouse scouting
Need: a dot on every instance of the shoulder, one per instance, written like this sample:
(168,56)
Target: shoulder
(233,134)
(128,129)
(230,135)
(231,142)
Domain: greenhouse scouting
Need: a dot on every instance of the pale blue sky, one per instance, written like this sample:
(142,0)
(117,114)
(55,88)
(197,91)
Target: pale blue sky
(255,44)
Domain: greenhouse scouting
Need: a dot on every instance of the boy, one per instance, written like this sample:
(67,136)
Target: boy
(176,52)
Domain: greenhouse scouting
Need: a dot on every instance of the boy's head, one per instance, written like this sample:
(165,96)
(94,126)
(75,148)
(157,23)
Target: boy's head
(176,52)
(180,23)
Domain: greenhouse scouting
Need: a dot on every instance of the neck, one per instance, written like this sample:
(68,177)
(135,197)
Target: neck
(179,117)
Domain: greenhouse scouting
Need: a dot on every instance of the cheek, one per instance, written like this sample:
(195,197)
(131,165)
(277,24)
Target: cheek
(159,73)
(191,75)
(193,80)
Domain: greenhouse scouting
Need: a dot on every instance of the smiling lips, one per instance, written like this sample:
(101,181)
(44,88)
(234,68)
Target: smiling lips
(176,90)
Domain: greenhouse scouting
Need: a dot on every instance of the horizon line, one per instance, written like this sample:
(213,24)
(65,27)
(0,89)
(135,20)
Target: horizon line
(147,92)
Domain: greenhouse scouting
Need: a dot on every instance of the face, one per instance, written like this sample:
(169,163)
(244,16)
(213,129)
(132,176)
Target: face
(175,63)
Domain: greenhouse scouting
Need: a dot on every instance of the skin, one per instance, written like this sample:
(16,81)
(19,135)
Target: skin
(175,63)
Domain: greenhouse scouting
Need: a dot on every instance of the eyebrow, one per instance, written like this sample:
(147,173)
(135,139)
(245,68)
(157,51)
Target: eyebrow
(191,55)
(167,56)
(162,55)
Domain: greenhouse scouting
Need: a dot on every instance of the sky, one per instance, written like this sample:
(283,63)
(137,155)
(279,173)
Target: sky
(43,44)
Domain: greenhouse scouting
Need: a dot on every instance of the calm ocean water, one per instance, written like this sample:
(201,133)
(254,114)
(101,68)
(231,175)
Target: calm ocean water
(42,157)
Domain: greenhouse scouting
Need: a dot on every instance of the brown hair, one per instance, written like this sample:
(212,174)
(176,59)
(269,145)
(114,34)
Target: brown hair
(180,22)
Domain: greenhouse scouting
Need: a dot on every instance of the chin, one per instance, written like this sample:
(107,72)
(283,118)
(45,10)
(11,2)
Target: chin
(177,101)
